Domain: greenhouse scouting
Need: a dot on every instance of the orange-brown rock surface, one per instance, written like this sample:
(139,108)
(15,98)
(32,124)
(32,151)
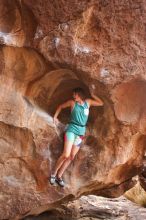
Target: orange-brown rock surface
(48,48)
(17,23)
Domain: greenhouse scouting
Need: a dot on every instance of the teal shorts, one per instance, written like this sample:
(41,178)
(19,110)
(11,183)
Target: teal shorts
(74,138)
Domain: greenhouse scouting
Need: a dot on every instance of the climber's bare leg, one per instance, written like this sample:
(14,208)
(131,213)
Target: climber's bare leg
(67,162)
(65,155)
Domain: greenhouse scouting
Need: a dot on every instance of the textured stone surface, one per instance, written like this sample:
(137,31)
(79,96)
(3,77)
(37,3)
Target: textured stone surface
(17,23)
(100,43)
(30,144)
(105,39)
(95,208)
(137,194)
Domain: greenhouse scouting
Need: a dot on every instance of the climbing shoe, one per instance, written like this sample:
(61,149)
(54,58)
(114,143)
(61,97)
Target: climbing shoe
(52,179)
(60,182)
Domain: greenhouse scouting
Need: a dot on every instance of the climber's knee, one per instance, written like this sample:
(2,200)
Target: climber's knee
(65,156)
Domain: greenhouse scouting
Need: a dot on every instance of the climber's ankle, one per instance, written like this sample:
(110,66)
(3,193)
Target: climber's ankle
(59,176)
(54,173)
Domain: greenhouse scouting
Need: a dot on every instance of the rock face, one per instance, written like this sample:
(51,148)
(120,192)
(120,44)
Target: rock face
(62,46)
(95,208)
(17,24)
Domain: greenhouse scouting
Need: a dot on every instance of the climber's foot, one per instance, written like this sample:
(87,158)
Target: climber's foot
(60,181)
(52,179)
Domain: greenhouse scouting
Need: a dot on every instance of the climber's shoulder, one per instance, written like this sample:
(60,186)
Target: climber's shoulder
(68,103)
(88,101)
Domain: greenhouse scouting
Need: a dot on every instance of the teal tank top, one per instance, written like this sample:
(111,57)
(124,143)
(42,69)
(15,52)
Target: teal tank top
(78,119)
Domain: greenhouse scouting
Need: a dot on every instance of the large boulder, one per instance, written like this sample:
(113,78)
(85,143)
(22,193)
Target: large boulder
(111,155)
(98,44)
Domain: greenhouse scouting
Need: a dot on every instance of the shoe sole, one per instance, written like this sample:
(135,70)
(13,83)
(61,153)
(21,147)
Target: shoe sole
(52,183)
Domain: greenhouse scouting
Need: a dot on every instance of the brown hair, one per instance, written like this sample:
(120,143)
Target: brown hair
(80,92)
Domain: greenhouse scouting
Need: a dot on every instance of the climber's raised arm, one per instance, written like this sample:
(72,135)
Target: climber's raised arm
(66,104)
(96,101)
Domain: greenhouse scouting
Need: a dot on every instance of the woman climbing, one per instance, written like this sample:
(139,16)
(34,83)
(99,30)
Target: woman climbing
(75,130)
